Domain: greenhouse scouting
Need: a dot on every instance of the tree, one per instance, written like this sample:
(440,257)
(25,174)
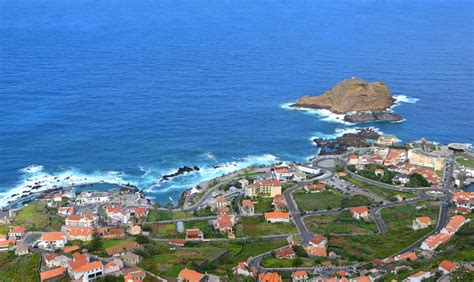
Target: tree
(297,262)
(417,180)
(96,243)
(140,239)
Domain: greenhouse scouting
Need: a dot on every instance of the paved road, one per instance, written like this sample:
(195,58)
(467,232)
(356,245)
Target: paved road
(296,217)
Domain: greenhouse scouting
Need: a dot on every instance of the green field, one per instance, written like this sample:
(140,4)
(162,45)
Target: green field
(400,235)
(328,199)
(263,205)
(466,162)
(159,215)
(342,223)
(38,217)
(386,193)
(213,257)
(24,268)
(257,226)
(116,242)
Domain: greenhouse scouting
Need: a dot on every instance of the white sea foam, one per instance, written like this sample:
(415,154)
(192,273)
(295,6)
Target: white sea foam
(404,99)
(209,172)
(323,114)
(209,156)
(145,170)
(70,177)
(32,169)
(75,177)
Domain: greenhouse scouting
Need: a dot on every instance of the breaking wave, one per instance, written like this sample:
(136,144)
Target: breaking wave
(323,114)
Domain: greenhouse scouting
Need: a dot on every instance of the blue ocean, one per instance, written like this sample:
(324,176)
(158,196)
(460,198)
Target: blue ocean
(127,91)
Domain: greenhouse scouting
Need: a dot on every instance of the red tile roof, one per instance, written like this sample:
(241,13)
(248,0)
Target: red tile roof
(53,236)
(284,252)
(359,210)
(190,275)
(274,215)
(18,229)
(52,273)
(269,277)
(447,265)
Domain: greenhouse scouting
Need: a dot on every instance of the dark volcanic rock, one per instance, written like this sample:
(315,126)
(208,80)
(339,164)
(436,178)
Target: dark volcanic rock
(373,116)
(362,138)
(180,171)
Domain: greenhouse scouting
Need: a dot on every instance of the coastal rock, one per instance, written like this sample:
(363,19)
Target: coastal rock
(351,95)
(373,116)
(180,171)
(361,138)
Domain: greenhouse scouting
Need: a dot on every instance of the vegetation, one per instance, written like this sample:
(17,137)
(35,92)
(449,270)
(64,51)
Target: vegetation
(263,205)
(23,268)
(369,172)
(342,223)
(257,226)
(211,257)
(327,199)
(400,235)
(38,217)
(467,162)
(417,180)
(96,243)
(386,193)
(160,215)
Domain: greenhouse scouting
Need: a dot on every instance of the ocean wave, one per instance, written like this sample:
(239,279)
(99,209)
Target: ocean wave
(206,173)
(341,131)
(208,155)
(323,114)
(404,99)
(45,181)
(145,170)
(32,169)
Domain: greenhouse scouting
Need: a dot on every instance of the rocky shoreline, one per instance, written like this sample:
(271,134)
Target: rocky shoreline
(180,171)
(362,138)
(360,117)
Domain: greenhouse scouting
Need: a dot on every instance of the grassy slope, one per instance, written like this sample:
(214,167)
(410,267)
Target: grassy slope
(328,199)
(37,217)
(257,226)
(332,224)
(400,235)
(24,268)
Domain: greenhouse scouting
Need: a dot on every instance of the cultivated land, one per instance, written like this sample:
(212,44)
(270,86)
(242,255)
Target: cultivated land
(386,193)
(327,199)
(38,217)
(257,226)
(217,257)
(14,269)
(400,234)
(340,224)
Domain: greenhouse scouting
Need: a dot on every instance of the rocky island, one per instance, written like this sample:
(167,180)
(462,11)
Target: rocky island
(357,99)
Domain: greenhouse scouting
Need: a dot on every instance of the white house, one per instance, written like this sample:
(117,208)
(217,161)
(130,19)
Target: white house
(55,239)
(421,222)
(87,270)
(418,277)
(89,198)
(277,217)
